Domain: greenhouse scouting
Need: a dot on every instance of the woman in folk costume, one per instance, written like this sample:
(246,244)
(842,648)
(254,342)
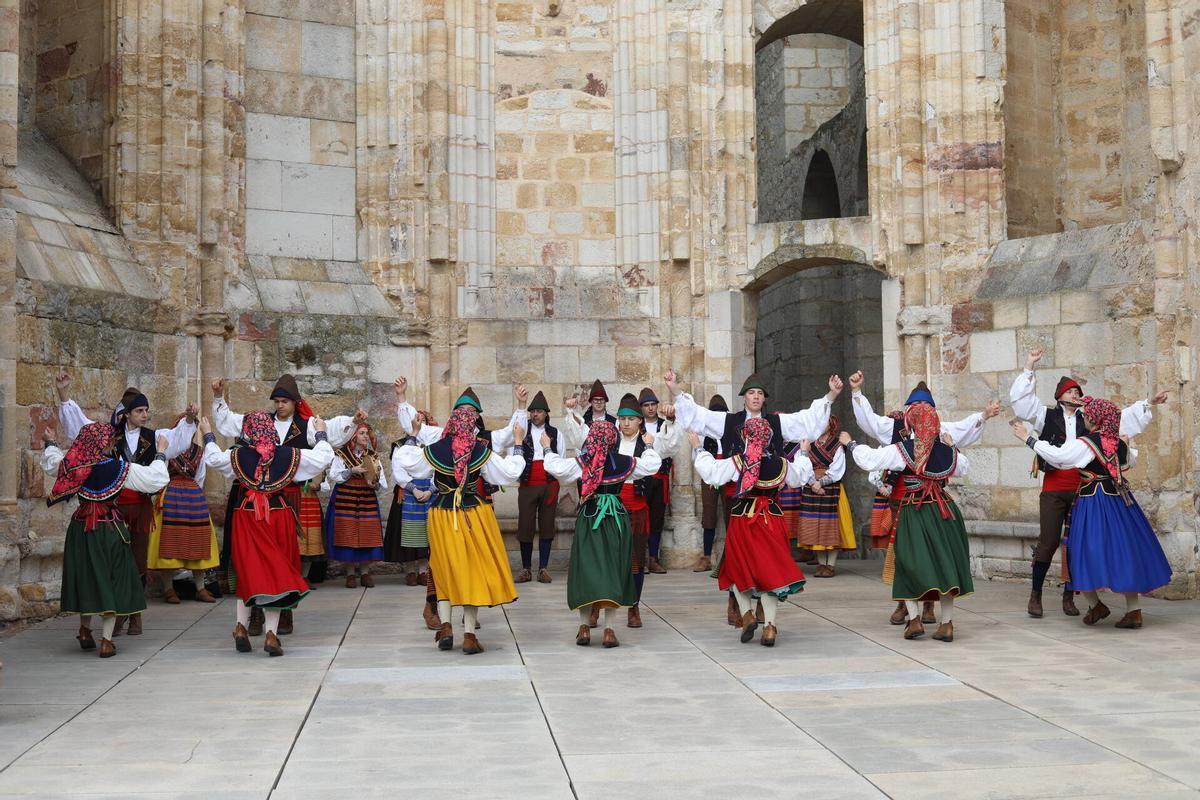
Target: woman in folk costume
(291,419)
(100,575)
(264,553)
(825,524)
(600,575)
(183,536)
(1110,544)
(353,525)
(758,557)
(135,443)
(466,552)
(932,554)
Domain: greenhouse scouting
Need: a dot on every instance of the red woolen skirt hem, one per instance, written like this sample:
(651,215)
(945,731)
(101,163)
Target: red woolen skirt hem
(266,558)
(758,557)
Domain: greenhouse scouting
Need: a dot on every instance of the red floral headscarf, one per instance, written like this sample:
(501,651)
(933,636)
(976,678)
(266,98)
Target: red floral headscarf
(258,431)
(922,419)
(1104,417)
(756,432)
(461,430)
(601,439)
(87,451)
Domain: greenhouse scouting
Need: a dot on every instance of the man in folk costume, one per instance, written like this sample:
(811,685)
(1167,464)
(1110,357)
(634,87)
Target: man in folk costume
(710,498)
(184,536)
(758,557)
(100,575)
(136,444)
(1059,425)
(537,497)
(657,488)
(889,430)
(932,553)
(825,525)
(466,552)
(1110,544)
(575,426)
(262,527)
(601,569)
(353,524)
(291,419)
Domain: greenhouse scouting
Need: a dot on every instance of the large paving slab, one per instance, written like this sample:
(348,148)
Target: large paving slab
(364,705)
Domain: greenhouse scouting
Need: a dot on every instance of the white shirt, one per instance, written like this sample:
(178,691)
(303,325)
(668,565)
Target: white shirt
(312,462)
(964,433)
(718,472)
(808,423)
(568,469)
(147,480)
(666,436)
(1025,404)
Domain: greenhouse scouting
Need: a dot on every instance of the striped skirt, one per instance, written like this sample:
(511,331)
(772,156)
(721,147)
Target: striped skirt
(414,516)
(353,524)
(881,522)
(789,501)
(183,536)
(825,522)
(311,529)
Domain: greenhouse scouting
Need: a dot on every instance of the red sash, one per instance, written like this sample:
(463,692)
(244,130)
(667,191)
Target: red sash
(1061,480)
(631,500)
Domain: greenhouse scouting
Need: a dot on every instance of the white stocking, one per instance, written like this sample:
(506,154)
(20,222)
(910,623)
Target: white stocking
(831,557)
(914,609)
(584,613)
(470,617)
(271,620)
(609,615)
(243,613)
(110,624)
(770,605)
(1133,602)
(445,612)
(744,601)
(947,608)
(1093,598)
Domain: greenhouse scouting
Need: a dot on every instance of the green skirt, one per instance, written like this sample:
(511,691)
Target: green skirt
(932,554)
(99,574)
(601,568)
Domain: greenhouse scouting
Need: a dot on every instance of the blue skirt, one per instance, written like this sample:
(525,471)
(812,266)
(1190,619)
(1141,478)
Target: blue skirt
(1111,546)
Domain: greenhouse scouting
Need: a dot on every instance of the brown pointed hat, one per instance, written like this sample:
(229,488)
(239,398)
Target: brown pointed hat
(539,403)
(647,396)
(286,388)
(597,391)
(469,398)
(630,407)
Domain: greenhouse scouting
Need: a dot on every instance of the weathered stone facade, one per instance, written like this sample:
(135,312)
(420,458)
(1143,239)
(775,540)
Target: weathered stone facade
(554,192)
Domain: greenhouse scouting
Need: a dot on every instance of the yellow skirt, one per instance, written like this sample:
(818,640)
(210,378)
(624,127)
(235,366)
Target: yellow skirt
(469,563)
(845,526)
(154,562)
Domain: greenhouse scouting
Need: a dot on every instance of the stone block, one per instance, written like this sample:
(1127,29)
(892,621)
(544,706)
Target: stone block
(521,364)
(317,189)
(264,186)
(983,466)
(371,301)
(277,137)
(561,364)
(387,362)
(276,43)
(597,252)
(329,298)
(1044,309)
(598,195)
(477,364)
(923,320)
(1009,312)
(328,51)
(993,351)
(598,362)
(332,143)
(281,295)
(345,237)
(1015,466)
(287,233)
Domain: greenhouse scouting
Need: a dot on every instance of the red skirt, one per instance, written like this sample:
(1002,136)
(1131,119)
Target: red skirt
(758,557)
(266,559)
(881,522)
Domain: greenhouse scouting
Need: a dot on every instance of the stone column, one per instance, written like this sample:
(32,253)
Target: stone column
(10,424)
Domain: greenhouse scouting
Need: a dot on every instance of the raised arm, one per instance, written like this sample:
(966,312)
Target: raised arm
(666,441)
(179,438)
(573,430)
(225,421)
(339,430)
(410,460)
(713,471)
(878,428)
(1022,395)
(876,458)
(696,418)
(148,480)
(811,422)
(503,440)
(504,470)
(966,431)
(314,461)
(72,418)
(647,463)
(563,469)
(1137,417)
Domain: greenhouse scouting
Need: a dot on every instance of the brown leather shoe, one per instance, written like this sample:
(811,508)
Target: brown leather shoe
(86,642)
(241,638)
(272,646)
(732,615)
(768,635)
(351,580)
(430,615)
(135,625)
(171,597)
(584,637)
(524,576)
(1034,609)
(544,577)
(758,613)
(704,564)
(594,617)
(444,638)
(368,580)
(410,579)
(107,648)
(823,571)
(256,621)
(1131,620)
(635,617)
(914,629)
(899,615)
(610,638)
(1069,607)
(945,632)
(928,615)
(1095,614)
(119,628)
(205,596)
(749,626)
(656,567)
(286,623)
(471,645)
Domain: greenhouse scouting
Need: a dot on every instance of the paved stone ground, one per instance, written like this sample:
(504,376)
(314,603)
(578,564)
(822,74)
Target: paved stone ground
(363,705)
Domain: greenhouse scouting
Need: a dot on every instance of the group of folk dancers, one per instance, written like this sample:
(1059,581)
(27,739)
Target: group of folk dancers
(142,512)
